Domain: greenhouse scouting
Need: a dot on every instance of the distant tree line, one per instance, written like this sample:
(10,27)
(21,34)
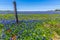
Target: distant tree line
(57,10)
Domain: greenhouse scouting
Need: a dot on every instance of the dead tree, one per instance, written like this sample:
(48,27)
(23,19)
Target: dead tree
(15,11)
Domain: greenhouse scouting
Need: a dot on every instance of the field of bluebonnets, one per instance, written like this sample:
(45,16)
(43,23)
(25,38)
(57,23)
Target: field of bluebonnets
(30,26)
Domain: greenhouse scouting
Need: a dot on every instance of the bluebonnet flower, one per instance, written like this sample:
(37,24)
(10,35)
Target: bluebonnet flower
(2,21)
(31,21)
(7,21)
(3,35)
(13,21)
(26,24)
(10,38)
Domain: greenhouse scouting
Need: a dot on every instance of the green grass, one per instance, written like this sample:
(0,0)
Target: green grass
(31,16)
(50,24)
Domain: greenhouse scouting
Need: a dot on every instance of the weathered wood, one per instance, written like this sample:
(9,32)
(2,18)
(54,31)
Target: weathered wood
(15,11)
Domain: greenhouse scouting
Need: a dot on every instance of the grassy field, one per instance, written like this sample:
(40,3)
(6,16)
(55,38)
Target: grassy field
(30,27)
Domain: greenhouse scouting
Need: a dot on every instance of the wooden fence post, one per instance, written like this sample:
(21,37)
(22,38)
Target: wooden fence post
(15,11)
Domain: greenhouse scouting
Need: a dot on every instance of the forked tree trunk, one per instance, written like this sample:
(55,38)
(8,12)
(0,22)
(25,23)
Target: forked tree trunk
(15,11)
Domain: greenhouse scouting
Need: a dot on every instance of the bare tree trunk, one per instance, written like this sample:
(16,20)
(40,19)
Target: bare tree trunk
(15,11)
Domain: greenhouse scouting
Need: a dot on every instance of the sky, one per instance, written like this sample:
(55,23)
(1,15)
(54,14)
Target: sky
(30,5)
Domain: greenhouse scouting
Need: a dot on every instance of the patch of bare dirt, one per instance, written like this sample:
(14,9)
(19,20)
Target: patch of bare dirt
(56,37)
